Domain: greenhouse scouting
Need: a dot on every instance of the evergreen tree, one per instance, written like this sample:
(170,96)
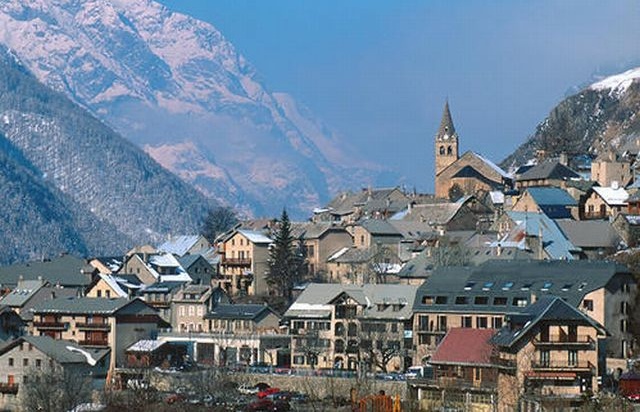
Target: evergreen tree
(285,260)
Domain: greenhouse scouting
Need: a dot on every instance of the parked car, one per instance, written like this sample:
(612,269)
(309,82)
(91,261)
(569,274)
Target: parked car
(248,389)
(634,397)
(266,392)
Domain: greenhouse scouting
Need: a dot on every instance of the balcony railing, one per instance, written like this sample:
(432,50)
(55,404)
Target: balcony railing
(94,326)
(565,365)
(236,261)
(159,303)
(94,343)
(455,383)
(9,388)
(50,325)
(564,340)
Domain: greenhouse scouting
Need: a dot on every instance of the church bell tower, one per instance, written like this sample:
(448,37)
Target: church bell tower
(446,142)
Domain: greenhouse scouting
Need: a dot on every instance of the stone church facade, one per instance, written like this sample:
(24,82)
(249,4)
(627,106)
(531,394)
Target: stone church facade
(469,174)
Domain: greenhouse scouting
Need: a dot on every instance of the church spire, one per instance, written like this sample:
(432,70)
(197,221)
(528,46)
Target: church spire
(446,129)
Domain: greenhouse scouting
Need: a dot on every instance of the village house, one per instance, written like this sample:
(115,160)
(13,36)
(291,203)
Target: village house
(97,323)
(605,202)
(244,262)
(555,353)
(547,173)
(22,356)
(554,202)
(376,264)
(199,269)
(597,239)
(480,297)
(610,167)
(350,207)
(114,286)
(321,240)
(189,305)
(339,326)
(155,267)
(628,227)
(29,293)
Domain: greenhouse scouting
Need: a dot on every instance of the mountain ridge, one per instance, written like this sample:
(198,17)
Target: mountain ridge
(163,79)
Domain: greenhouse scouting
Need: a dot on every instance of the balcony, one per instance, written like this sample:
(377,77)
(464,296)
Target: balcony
(455,383)
(159,303)
(578,366)
(93,326)
(94,343)
(565,341)
(50,325)
(11,388)
(436,331)
(235,261)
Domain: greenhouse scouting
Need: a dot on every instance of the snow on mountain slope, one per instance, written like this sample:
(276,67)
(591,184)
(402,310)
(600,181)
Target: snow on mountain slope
(163,79)
(618,83)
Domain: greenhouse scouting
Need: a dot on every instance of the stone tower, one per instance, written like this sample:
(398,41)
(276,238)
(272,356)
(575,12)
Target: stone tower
(446,142)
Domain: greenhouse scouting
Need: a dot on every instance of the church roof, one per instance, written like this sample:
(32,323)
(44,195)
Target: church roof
(446,124)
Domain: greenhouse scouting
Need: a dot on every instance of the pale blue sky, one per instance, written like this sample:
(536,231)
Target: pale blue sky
(378,72)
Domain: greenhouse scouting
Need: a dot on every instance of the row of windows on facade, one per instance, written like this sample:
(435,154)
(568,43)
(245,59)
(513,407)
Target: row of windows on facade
(193,310)
(351,329)
(482,322)
(340,345)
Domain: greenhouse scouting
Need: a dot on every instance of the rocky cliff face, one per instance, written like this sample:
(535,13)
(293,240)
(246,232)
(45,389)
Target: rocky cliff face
(72,184)
(603,115)
(175,86)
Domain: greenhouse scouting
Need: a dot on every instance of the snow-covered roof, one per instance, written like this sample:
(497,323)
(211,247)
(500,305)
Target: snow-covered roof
(492,165)
(145,345)
(179,245)
(497,197)
(618,83)
(613,197)
(255,236)
(113,284)
(164,260)
(338,253)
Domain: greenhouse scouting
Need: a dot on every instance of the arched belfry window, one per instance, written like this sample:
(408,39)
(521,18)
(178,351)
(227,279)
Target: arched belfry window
(449,150)
(441,150)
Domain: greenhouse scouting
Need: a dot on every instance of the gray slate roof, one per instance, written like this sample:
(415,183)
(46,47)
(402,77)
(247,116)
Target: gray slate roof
(65,271)
(22,293)
(81,305)
(590,233)
(549,170)
(62,351)
(513,280)
(239,311)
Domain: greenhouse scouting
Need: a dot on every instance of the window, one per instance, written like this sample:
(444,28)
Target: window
(462,300)
(587,304)
(507,286)
(441,300)
(467,322)
(496,322)
(99,293)
(191,310)
(500,301)
(572,358)
(298,359)
(481,322)
(108,293)
(487,286)
(520,302)
(38,363)
(623,308)
(481,300)
(469,285)
(566,287)
(10,361)
(623,325)
(200,310)
(25,362)
(181,310)
(546,286)
(427,300)
(441,150)
(423,322)
(449,150)
(311,251)
(442,323)
(424,339)
(626,288)
(526,286)
(544,358)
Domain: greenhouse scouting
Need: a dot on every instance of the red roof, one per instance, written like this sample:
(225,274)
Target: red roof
(465,346)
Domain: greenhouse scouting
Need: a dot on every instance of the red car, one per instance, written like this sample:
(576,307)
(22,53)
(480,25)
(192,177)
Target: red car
(175,398)
(268,391)
(634,397)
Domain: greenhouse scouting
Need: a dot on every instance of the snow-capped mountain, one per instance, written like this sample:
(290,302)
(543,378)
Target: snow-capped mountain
(175,86)
(603,115)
